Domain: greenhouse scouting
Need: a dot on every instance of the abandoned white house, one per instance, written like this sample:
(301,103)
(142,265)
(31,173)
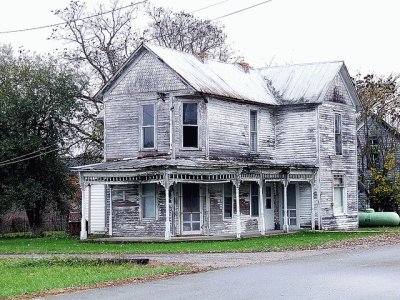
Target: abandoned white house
(199,147)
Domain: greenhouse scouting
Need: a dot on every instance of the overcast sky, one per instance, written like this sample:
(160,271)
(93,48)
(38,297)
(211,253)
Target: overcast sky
(363,33)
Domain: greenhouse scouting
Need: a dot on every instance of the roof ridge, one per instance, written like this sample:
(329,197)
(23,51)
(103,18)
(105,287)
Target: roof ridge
(302,64)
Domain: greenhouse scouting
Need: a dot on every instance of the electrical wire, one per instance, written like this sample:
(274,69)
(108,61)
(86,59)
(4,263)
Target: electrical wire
(27,158)
(28,154)
(62,23)
(240,10)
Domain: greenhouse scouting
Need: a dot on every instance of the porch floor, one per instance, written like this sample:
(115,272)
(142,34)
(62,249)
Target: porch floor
(182,238)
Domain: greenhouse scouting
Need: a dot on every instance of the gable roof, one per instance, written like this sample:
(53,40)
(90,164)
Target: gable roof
(306,83)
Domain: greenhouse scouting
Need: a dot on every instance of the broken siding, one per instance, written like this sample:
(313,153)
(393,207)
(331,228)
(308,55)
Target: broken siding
(229,131)
(331,163)
(296,134)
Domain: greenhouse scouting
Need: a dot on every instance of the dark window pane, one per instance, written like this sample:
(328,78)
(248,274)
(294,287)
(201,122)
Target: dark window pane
(148,115)
(149,201)
(253,120)
(268,204)
(191,198)
(190,113)
(196,226)
(268,191)
(254,199)
(148,137)
(228,200)
(291,196)
(190,136)
(338,123)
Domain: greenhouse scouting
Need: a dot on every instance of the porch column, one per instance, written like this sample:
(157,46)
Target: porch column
(89,208)
(285,218)
(312,206)
(236,182)
(167,234)
(83,235)
(261,206)
(110,220)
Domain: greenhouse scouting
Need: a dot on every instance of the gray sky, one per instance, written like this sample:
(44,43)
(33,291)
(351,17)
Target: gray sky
(363,33)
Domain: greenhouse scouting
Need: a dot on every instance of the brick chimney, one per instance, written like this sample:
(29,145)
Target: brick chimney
(202,56)
(245,66)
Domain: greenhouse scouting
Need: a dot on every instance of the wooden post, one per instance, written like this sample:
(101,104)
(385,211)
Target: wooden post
(261,206)
(167,222)
(238,229)
(312,206)
(89,209)
(110,223)
(285,217)
(83,235)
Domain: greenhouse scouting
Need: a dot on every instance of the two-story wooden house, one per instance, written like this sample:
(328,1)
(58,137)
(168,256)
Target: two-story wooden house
(199,147)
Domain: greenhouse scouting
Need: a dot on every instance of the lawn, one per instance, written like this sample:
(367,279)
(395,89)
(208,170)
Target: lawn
(27,276)
(63,244)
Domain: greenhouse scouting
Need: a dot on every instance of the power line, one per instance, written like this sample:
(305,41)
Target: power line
(28,154)
(27,158)
(211,5)
(240,10)
(62,23)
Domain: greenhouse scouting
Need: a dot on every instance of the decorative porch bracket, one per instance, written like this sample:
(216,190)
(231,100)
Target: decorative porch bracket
(167,183)
(236,182)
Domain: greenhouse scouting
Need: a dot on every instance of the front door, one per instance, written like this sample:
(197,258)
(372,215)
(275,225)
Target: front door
(269,208)
(191,209)
(291,206)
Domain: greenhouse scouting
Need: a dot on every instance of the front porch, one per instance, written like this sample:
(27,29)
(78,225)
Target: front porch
(197,202)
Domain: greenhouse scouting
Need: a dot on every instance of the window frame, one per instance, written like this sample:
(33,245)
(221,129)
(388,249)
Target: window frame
(255,184)
(344,194)
(223,202)
(338,134)
(256,131)
(191,125)
(142,148)
(142,200)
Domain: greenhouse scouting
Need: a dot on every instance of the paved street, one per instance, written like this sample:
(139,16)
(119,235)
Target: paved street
(362,274)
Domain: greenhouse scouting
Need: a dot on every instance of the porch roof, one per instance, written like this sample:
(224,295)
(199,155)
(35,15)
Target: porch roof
(135,164)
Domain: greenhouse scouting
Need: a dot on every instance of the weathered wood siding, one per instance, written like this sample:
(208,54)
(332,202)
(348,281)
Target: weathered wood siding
(296,129)
(331,163)
(304,204)
(139,86)
(229,130)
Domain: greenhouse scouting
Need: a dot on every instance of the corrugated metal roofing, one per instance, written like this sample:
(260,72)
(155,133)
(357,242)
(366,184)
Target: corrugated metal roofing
(216,78)
(305,83)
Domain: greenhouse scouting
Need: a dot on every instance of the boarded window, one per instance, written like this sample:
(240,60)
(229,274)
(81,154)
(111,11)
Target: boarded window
(190,126)
(253,130)
(228,201)
(149,200)
(254,199)
(338,134)
(338,194)
(148,126)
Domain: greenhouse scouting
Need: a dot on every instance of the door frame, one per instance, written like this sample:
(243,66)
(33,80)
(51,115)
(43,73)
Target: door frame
(297,192)
(195,232)
(272,209)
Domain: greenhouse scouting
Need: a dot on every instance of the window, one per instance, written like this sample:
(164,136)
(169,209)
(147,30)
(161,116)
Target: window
(190,126)
(148,126)
(338,134)
(253,130)
(338,195)
(254,199)
(268,197)
(228,201)
(374,152)
(149,200)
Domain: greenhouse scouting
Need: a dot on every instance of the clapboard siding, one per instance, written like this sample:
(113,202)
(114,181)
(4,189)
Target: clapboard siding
(330,162)
(296,133)
(229,130)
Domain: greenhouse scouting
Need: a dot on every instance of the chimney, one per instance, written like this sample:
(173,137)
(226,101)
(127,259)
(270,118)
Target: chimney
(202,56)
(245,66)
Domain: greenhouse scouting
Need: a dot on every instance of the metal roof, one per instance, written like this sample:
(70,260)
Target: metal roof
(216,78)
(160,163)
(304,83)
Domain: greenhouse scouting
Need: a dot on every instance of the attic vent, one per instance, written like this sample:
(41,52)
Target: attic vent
(202,56)
(245,66)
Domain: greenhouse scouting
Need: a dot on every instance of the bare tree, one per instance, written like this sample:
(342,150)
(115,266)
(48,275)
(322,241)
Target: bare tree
(185,32)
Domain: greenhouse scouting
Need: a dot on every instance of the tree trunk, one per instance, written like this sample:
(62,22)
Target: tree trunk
(35,219)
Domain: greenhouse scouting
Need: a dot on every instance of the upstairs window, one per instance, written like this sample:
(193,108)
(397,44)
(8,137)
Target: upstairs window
(374,152)
(228,201)
(338,134)
(339,199)
(190,128)
(148,126)
(149,200)
(254,199)
(253,130)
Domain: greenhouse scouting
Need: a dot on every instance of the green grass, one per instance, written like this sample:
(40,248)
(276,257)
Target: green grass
(67,245)
(27,276)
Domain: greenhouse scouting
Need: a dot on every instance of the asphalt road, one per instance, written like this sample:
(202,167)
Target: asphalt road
(362,274)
